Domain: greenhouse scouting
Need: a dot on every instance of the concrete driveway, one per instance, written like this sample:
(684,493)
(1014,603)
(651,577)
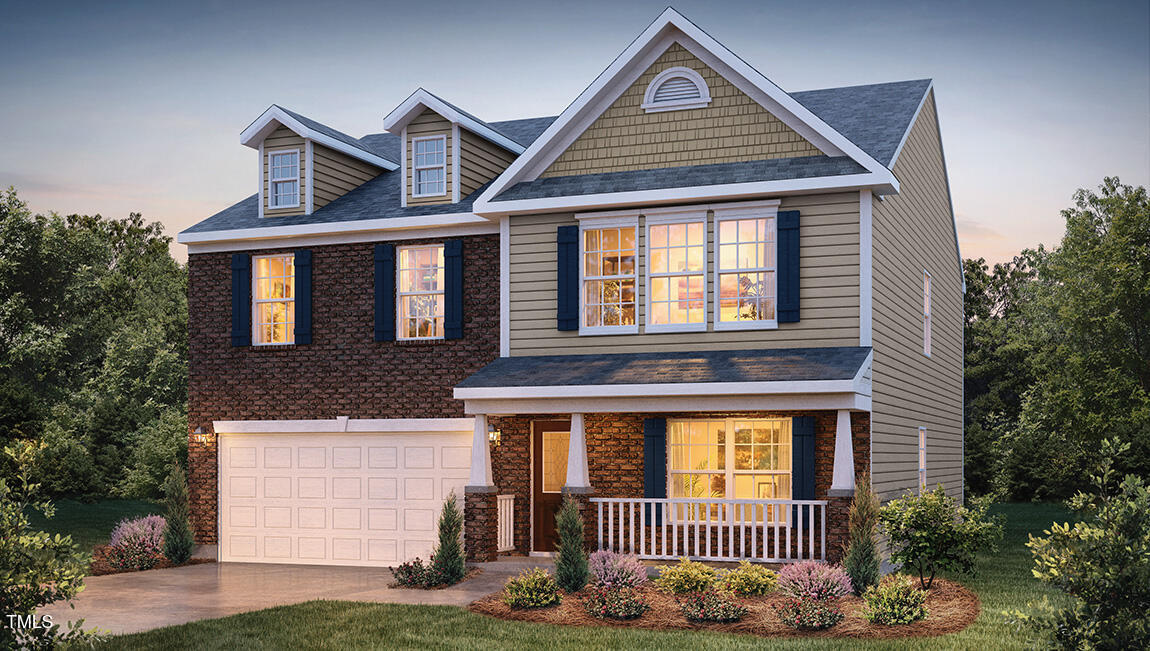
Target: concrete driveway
(140,601)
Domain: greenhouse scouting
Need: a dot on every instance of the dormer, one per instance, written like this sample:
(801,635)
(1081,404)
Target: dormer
(447,153)
(304,165)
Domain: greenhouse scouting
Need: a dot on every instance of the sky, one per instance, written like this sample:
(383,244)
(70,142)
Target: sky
(122,107)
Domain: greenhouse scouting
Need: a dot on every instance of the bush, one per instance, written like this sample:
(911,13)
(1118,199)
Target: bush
(861,559)
(137,544)
(178,540)
(814,580)
(532,589)
(614,602)
(447,560)
(749,580)
(808,614)
(895,600)
(711,606)
(687,576)
(414,574)
(617,570)
(571,562)
(932,532)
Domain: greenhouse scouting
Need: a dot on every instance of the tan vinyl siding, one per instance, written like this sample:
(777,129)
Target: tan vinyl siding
(733,127)
(480,161)
(284,138)
(828,285)
(335,174)
(913,232)
(428,123)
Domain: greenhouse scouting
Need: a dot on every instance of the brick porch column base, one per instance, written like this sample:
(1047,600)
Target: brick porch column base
(589,511)
(838,526)
(480,524)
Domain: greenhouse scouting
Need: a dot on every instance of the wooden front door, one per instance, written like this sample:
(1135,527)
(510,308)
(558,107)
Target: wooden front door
(549,441)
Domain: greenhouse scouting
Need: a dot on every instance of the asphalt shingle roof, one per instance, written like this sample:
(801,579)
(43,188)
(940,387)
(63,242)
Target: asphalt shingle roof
(338,135)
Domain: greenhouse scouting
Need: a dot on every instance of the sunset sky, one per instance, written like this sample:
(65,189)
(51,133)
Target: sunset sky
(137,106)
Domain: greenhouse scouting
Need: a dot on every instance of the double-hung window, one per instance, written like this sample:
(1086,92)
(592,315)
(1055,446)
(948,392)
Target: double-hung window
(926,314)
(283,179)
(921,460)
(273,299)
(609,268)
(746,270)
(421,285)
(676,274)
(429,163)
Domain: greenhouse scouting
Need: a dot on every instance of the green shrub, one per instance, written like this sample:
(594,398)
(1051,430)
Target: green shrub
(711,606)
(809,614)
(178,541)
(687,576)
(614,602)
(895,600)
(861,559)
(571,563)
(749,580)
(533,588)
(932,532)
(447,559)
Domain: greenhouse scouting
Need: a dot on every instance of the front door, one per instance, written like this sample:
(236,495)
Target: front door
(549,450)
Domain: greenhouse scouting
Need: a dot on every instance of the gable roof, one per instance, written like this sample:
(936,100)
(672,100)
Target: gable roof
(421,99)
(307,128)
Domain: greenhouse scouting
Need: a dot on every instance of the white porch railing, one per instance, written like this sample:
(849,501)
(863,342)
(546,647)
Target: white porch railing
(505,518)
(769,531)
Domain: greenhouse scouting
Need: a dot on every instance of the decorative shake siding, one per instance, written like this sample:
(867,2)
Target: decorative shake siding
(914,231)
(480,161)
(733,127)
(284,138)
(828,286)
(428,123)
(336,174)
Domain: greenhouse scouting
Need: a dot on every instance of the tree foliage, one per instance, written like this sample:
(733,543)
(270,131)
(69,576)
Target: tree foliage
(571,569)
(447,560)
(178,541)
(862,561)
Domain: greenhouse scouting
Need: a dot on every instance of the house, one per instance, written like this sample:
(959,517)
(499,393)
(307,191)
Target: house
(697,303)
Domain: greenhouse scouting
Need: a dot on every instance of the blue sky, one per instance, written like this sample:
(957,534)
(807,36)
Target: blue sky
(138,106)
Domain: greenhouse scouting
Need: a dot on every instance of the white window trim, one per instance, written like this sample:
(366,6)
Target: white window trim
(749,210)
(927,312)
(651,106)
(415,168)
(593,222)
(921,460)
(662,217)
(255,302)
(399,294)
(272,182)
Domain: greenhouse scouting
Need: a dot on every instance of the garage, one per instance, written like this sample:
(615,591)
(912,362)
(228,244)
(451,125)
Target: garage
(339,492)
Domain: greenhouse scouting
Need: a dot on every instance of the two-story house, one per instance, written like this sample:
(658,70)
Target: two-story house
(698,303)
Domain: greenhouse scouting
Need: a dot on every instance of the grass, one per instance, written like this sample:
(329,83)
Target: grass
(1003,582)
(91,524)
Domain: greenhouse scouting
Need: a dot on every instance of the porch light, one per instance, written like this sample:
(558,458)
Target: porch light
(493,435)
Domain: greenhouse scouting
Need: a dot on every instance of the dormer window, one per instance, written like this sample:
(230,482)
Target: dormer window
(429,160)
(676,89)
(283,179)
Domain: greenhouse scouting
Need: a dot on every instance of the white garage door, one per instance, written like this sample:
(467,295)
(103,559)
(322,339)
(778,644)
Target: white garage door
(337,498)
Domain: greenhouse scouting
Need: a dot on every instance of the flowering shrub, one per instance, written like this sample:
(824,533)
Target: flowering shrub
(711,606)
(617,570)
(414,574)
(808,614)
(687,576)
(137,544)
(533,588)
(814,580)
(894,600)
(614,602)
(749,580)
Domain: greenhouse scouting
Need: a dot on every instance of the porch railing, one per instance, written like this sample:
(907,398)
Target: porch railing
(769,531)
(505,520)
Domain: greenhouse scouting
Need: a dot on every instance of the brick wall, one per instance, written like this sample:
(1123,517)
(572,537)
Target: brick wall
(344,372)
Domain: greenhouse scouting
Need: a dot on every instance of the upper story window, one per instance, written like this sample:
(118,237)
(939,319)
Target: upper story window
(926,325)
(745,273)
(609,270)
(429,163)
(676,89)
(420,292)
(273,299)
(283,179)
(677,274)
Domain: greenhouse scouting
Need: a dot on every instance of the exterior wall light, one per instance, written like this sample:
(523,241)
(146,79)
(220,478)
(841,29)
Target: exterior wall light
(200,436)
(493,435)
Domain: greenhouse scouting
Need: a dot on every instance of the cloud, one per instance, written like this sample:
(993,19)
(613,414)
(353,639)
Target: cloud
(973,230)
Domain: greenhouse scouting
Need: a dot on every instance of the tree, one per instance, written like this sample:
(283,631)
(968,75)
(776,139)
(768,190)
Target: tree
(571,563)
(178,541)
(447,561)
(862,560)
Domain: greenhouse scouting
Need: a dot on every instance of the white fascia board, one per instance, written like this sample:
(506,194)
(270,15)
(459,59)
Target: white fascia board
(343,424)
(657,390)
(421,99)
(265,124)
(668,404)
(360,225)
(357,237)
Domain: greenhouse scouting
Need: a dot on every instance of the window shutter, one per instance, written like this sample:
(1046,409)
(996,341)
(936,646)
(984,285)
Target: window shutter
(655,464)
(567,312)
(453,292)
(802,461)
(788,242)
(241,299)
(384,292)
(303,296)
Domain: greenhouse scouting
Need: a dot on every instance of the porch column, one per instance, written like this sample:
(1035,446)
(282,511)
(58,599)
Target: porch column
(843,479)
(578,480)
(480,459)
(480,504)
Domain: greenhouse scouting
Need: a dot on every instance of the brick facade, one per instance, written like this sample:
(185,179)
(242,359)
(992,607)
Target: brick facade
(344,372)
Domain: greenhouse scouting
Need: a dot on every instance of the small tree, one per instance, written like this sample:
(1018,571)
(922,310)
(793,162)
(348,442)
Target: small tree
(861,559)
(447,563)
(932,532)
(178,541)
(571,564)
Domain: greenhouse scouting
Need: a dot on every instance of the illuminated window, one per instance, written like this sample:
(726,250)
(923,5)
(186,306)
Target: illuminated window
(926,314)
(283,179)
(609,279)
(555,448)
(274,299)
(421,285)
(677,266)
(922,460)
(429,162)
(746,272)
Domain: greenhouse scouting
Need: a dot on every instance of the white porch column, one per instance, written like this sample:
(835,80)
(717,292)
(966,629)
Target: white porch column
(843,479)
(578,481)
(480,457)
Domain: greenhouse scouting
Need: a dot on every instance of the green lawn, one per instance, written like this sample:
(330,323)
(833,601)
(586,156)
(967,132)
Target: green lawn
(1003,582)
(91,524)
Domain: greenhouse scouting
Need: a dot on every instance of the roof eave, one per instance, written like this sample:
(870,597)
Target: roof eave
(421,99)
(266,123)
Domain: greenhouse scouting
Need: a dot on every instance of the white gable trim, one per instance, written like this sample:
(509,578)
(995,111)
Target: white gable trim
(421,99)
(266,123)
(913,121)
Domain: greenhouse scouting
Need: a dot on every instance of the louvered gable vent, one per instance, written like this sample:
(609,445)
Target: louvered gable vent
(675,89)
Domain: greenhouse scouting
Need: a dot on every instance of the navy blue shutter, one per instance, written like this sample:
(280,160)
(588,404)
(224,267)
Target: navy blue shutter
(567,256)
(802,460)
(303,296)
(655,464)
(788,243)
(384,292)
(241,299)
(453,293)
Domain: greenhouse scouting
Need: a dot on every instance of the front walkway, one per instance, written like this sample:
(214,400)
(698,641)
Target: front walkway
(141,601)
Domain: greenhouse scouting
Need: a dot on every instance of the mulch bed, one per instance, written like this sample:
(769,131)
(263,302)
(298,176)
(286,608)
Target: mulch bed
(100,565)
(951,607)
(471,574)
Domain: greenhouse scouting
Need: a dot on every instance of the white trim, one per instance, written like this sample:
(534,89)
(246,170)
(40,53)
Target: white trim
(862,384)
(343,424)
(665,217)
(403,168)
(595,222)
(866,267)
(651,106)
(260,196)
(749,210)
(480,454)
(669,389)
(913,120)
(348,238)
(843,471)
(272,181)
(577,475)
(310,171)
(355,226)
(421,99)
(455,185)
(415,169)
(668,404)
(255,301)
(504,286)
(264,125)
